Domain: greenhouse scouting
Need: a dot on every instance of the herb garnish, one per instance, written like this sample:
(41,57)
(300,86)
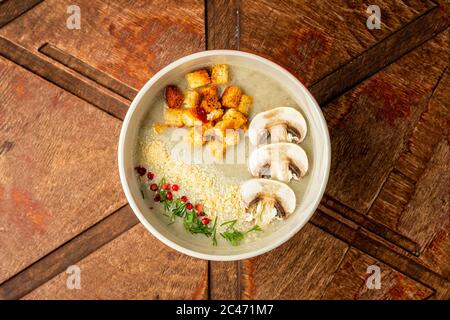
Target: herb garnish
(193,217)
(235,236)
(179,208)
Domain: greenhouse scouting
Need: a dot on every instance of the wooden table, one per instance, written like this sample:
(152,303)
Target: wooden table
(385,95)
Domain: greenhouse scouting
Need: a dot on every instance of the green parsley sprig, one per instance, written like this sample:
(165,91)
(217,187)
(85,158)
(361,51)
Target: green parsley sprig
(234,236)
(177,208)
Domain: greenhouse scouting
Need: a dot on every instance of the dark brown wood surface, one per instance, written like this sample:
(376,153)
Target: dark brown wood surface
(384,94)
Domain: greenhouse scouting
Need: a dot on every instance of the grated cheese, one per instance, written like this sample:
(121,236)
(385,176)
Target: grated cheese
(220,196)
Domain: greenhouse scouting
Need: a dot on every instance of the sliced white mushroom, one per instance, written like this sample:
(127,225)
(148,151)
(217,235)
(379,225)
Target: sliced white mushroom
(282,161)
(283,124)
(266,199)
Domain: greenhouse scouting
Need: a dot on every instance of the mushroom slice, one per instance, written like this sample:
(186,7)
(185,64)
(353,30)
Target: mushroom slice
(283,124)
(282,161)
(266,199)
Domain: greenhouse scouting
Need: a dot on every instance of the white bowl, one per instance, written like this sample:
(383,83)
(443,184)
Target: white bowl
(197,246)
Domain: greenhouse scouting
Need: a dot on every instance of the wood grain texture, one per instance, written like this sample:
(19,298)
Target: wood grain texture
(58,167)
(406,265)
(68,254)
(415,199)
(133,266)
(86,70)
(380,55)
(313,38)
(370,125)
(349,281)
(370,224)
(295,270)
(432,198)
(222,24)
(384,252)
(390,135)
(65,79)
(11,9)
(128,40)
(224,280)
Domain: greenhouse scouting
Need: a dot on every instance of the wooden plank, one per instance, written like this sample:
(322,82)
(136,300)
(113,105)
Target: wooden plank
(63,78)
(10,9)
(349,281)
(128,41)
(133,266)
(415,198)
(380,55)
(224,280)
(431,199)
(300,269)
(89,72)
(222,24)
(58,167)
(314,38)
(428,132)
(68,254)
(370,224)
(378,249)
(406,265)
(370,125)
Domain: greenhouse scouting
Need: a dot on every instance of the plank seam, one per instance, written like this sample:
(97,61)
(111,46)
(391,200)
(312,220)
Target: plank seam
(5,20)
(352,241)
(101,78)
(372,226)
(35,282)
(62,78)
(398,168)
(365,52)
(331,86)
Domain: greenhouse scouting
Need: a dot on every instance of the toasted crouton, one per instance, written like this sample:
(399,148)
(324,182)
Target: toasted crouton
(174,97)
(190,119)
(231,97)
(219,73)
(224,127)
(191,99)
(234,119)
(198,78)
(210,103)
(173,117)
(245,104)
(214,114)
(221,128)
(210,99)
(209,91)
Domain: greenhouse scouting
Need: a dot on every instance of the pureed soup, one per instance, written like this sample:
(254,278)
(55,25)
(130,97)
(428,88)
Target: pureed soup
(204,189)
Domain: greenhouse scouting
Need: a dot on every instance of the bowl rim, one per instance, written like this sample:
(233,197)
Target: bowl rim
(121,155)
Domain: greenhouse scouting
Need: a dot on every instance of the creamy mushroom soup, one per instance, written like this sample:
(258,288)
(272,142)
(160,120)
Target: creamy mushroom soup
(215,188)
